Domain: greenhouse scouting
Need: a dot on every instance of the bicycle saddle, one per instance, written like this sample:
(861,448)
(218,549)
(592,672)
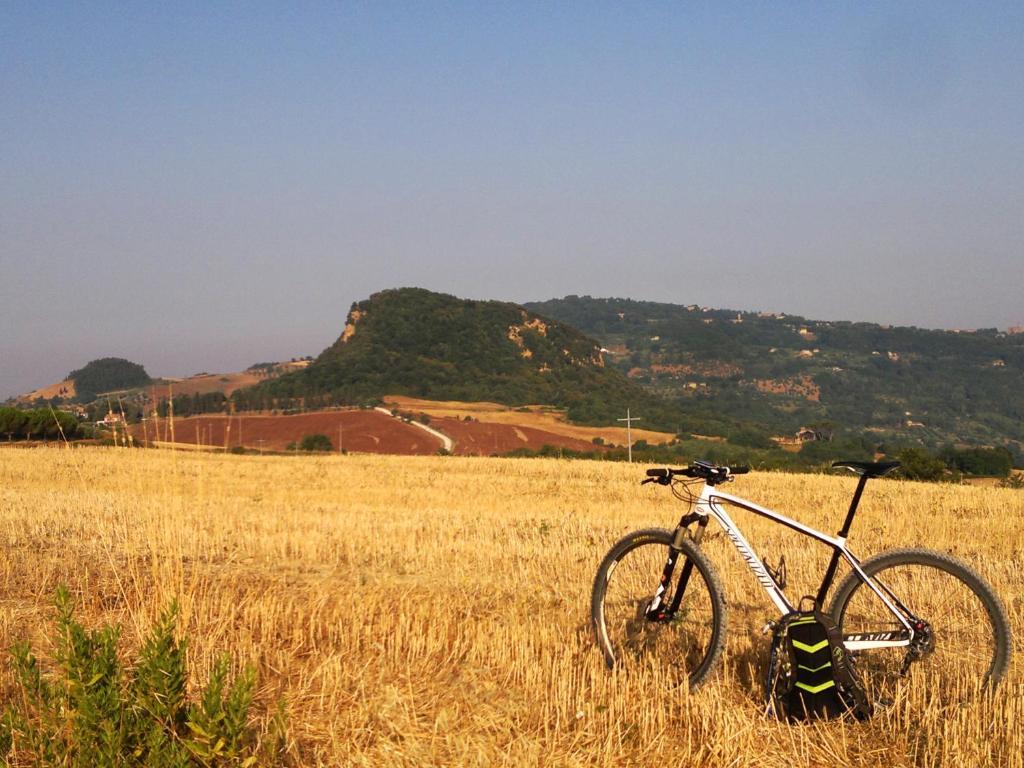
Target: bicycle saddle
(868,468)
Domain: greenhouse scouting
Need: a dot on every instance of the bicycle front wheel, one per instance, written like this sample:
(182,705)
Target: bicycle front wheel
(967,643)
(683,646)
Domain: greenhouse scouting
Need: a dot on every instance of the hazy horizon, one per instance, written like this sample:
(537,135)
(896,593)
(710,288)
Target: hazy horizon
(204,187)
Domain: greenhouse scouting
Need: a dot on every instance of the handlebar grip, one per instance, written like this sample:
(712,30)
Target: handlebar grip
(738,470)
(657,472)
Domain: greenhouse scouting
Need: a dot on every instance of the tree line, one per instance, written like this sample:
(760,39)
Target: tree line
(41,423)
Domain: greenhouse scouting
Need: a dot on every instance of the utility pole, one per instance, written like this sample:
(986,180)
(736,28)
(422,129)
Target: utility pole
(340,450)
(629,433)
(260,441)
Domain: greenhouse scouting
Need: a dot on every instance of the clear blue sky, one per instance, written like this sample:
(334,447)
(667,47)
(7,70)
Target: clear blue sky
(201,187)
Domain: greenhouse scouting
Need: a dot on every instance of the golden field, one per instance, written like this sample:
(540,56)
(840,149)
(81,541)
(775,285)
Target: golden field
(435,610)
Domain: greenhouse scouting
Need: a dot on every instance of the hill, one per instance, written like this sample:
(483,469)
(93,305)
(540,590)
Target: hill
(784,372)
(107,375)
(417,343)
(61,391)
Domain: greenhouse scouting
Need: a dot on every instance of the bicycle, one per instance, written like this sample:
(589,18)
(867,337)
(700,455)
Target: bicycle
(898,610)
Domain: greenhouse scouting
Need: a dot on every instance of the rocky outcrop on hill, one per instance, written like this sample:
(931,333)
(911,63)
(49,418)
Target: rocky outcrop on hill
(416,342)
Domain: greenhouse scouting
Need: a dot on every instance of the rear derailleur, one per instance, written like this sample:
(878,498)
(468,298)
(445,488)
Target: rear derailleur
(921,644)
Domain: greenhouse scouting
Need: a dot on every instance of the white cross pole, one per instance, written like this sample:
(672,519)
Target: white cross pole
(629,433)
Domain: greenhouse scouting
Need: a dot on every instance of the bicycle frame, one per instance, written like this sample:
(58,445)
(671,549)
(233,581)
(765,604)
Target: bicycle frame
(710,505)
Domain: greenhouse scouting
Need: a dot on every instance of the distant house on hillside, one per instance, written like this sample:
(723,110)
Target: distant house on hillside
(806,435)
(111,420)
(812,434)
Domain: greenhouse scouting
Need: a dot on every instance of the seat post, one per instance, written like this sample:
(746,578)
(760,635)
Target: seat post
(845,530)
(830,572)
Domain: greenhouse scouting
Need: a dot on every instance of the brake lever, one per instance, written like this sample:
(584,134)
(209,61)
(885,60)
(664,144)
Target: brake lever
(658,480)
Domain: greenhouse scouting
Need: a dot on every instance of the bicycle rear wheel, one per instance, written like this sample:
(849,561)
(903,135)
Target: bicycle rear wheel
(968,636)
(683,647)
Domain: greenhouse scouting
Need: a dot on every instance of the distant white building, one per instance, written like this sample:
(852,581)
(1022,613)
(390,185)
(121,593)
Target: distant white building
(111,420)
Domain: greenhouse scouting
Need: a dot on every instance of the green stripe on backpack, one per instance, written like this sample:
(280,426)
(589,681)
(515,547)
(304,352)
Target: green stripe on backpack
(810,676)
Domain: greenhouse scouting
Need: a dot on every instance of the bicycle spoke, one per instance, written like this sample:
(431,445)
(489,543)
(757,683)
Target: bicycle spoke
(958,641)
(682,644)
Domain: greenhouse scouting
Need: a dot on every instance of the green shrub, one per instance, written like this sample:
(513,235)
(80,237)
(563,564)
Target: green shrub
(994,462)
(90,709)
(316,443)
(918,464)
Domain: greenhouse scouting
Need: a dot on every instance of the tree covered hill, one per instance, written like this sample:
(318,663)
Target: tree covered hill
(107,374)
(411,341)
(783,372)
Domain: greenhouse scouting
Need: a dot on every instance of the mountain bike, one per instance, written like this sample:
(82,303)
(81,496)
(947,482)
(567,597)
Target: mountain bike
(658,600)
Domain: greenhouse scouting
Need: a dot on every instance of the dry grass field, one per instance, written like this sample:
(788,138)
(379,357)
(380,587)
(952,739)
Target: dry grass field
(434,610)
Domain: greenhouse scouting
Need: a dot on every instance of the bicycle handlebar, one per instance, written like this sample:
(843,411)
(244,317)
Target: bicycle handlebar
(710,473)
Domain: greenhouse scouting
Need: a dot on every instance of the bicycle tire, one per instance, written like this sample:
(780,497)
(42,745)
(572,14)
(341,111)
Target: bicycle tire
(925,581)
(685,648)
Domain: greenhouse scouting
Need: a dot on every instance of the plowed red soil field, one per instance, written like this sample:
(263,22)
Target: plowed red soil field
(360,431)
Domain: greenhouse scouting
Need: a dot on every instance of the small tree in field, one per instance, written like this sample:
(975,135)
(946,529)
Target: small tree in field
(918,464)
(316,443)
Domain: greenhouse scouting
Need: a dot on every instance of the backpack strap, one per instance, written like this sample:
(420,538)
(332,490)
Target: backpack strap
(844,669)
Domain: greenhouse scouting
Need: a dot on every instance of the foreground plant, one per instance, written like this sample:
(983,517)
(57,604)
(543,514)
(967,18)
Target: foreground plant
(91,710)
(1015,480)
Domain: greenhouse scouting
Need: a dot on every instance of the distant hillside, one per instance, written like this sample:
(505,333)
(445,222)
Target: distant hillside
(784,372)
(107,375)
(414,342)
(61,391)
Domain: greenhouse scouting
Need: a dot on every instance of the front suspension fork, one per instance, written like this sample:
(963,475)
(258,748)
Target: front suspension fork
(657,610)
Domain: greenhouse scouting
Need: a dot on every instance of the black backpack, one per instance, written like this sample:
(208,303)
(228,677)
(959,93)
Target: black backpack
(810,675)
